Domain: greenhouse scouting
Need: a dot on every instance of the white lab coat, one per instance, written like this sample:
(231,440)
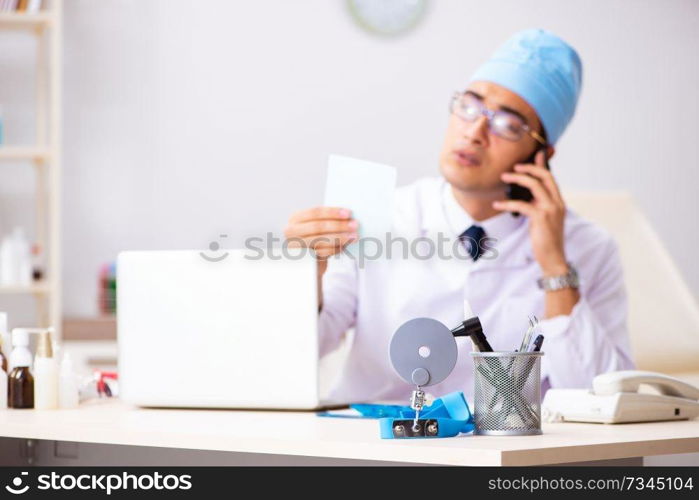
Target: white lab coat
(380,296)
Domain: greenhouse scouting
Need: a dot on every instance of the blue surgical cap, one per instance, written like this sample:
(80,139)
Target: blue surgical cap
(544,71)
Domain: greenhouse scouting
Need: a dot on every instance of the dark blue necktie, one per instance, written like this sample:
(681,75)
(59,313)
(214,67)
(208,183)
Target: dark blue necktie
(472,239)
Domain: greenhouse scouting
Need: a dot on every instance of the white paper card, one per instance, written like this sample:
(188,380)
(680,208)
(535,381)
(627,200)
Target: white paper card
(366,188)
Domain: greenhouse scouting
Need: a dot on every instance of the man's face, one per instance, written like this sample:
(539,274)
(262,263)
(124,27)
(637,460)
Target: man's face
(472,159)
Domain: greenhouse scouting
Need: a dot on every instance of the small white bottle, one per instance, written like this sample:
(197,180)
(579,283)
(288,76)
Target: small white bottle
(45,374)
(23,256)
(68,396)
(9,275)
(15,259)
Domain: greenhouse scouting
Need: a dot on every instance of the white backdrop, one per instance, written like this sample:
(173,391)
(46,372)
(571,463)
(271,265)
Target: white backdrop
(185,119)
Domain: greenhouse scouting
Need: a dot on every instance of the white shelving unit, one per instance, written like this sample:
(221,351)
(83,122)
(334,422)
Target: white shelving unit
(44,154)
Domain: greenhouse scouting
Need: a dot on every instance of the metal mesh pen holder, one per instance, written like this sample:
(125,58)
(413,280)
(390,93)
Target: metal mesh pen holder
(507,395)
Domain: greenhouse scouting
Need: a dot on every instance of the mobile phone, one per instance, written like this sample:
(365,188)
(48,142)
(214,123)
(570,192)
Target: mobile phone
(517,192)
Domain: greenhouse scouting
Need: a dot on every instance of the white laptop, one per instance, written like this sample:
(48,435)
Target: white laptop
(218,331)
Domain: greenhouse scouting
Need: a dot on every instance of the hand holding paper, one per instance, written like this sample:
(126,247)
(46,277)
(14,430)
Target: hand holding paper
(358,200)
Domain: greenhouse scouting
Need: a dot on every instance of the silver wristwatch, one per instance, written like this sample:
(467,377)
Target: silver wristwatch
(567,280)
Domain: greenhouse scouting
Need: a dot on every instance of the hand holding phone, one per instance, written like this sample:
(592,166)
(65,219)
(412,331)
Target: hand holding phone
(517,192)
(546,215)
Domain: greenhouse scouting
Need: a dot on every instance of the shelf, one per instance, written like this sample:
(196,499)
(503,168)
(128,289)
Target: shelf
(90,328)
(21,20)
(24,153)
(43,29)
(38,288)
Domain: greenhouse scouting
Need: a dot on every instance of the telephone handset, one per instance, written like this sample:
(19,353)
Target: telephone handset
(631,381)
(517,192)
(619,397)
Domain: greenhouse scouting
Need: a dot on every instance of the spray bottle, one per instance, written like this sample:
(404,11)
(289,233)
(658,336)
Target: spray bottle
(45,373)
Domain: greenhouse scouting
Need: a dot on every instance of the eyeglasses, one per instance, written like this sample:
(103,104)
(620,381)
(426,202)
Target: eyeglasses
(501,123)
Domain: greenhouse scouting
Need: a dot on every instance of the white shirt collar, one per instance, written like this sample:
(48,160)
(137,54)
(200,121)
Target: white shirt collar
(498,227)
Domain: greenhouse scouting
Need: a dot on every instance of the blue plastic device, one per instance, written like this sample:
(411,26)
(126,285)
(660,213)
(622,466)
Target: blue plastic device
(448,416)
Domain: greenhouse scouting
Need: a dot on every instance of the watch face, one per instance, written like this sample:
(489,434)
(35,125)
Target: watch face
(387,17)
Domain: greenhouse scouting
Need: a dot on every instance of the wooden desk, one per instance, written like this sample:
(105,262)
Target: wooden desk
(295,435)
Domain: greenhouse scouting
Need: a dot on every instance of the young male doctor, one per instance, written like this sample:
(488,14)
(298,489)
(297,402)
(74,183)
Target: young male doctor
(545,261)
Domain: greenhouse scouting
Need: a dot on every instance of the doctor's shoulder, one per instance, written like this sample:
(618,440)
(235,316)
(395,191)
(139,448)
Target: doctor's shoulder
(411,201)
(587,242)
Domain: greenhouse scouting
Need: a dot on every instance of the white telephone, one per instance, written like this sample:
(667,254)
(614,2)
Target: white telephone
(619,397)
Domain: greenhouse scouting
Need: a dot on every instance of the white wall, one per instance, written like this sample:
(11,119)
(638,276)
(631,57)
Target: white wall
(186,119)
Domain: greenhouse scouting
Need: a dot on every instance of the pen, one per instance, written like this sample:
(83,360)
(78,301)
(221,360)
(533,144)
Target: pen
(537,343)
(533,322)
(519,382)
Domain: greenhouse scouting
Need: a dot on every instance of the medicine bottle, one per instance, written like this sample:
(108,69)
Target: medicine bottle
(20,380)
